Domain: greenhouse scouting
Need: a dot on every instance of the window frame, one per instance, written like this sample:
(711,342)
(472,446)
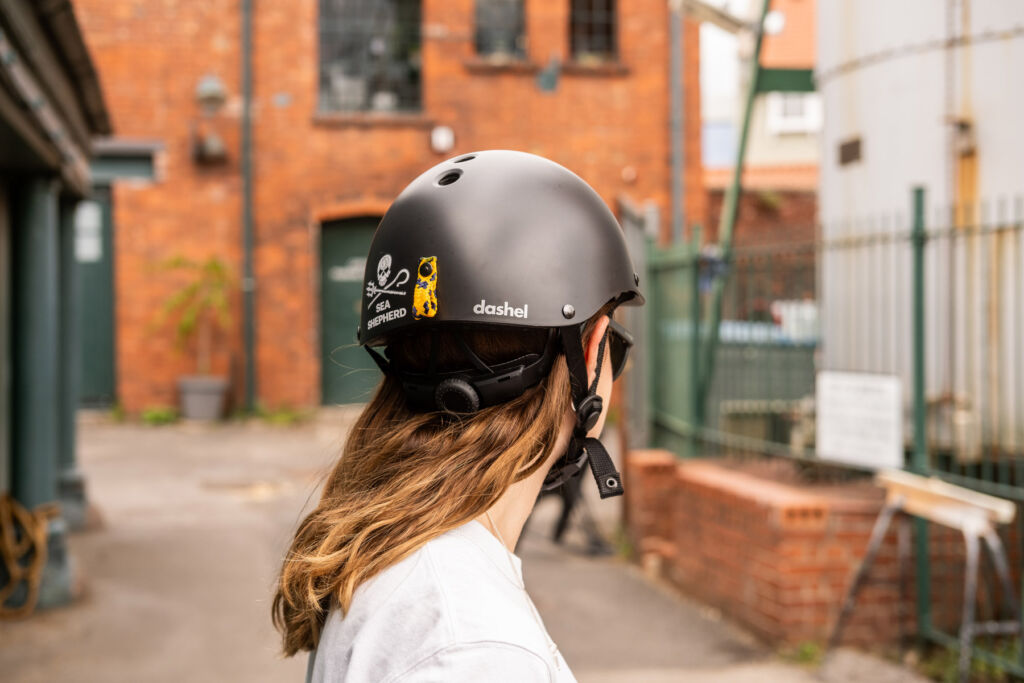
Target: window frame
(405,93)
(611,56)
(779,122)
(518,52)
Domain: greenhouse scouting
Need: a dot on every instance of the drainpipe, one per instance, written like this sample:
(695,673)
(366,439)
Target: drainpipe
(248,279)
(675,62)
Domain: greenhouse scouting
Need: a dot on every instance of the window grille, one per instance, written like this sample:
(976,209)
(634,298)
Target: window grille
(369,55)
(592,30)
(500,32)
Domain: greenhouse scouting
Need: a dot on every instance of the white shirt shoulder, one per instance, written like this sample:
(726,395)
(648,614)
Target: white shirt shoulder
(455,610)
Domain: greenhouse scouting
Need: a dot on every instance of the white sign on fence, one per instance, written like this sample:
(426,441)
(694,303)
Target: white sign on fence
(860,419)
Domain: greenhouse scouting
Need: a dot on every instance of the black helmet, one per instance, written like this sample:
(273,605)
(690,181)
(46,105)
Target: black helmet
(495,237)
(516,239)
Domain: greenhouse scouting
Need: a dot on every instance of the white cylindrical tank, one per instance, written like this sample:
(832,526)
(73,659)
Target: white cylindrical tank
(898,77)
(927,93)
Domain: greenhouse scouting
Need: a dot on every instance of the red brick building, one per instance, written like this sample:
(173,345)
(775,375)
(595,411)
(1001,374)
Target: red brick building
(351,101)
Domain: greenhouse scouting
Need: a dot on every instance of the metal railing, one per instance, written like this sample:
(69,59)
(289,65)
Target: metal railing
(936,300)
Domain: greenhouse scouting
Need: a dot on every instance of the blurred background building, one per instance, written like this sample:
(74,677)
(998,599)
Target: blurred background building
(780,176)
(876,229)
(350,101)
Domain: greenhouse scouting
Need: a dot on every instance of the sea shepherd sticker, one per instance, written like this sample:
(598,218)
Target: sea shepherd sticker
(379,291)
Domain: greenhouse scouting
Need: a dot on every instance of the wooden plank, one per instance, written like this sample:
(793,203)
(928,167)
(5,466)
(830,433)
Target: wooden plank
(942,502)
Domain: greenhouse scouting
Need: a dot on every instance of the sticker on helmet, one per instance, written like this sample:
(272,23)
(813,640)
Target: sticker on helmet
(386,284)
(424,296)
(383,285)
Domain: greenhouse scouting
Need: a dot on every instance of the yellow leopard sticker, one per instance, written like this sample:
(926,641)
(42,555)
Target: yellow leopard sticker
(424,295)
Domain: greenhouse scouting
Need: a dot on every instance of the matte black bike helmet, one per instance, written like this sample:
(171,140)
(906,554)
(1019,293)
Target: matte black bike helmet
(500,238)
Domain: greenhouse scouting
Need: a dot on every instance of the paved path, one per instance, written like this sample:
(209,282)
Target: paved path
(178,579)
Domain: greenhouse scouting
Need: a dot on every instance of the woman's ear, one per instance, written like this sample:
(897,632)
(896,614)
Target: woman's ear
(593,344)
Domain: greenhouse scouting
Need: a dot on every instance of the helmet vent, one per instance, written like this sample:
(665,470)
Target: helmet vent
(468,157)
(449,177)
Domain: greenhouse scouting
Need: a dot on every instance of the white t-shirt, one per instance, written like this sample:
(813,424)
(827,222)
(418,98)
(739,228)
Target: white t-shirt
(455,610)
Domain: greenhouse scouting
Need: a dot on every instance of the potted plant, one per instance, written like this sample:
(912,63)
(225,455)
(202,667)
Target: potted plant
(201,309)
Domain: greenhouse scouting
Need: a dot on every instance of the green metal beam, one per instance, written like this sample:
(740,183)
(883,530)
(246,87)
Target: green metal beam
(696,406)
(919,462)
(5,342)
(248,237)
(786,80)
(727,220)
(36,359)
(36,356)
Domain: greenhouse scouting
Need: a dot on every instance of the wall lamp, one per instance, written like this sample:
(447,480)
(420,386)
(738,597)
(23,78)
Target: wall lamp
(208,147)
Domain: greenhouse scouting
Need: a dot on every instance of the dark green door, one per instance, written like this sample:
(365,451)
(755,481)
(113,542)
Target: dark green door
(94,255)
(348,373)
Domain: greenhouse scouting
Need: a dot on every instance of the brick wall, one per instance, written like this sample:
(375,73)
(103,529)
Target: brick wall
(608,125)
(766,216)
(778,558)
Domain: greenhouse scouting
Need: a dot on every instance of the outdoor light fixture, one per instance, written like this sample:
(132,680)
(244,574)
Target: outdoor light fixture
(211,94)
(207,146)
(442,139)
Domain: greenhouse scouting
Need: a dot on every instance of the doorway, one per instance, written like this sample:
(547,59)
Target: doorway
(348,375)
(94,256)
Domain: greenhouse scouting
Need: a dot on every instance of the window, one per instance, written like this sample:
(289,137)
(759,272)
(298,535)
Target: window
(793,112)
(592,31)
(369,55)
(499,29)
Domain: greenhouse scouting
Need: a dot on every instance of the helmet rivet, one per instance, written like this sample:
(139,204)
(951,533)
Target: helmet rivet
(568,312)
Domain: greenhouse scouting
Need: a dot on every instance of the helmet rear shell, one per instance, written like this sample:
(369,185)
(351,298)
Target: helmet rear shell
(512,238)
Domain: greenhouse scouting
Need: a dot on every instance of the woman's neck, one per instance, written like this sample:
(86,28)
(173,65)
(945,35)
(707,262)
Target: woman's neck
(506,518)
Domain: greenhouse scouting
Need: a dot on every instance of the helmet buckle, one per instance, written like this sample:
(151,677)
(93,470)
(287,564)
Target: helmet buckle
(588,412)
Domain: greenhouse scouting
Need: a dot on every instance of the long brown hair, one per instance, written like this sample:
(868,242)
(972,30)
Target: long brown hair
(405,478)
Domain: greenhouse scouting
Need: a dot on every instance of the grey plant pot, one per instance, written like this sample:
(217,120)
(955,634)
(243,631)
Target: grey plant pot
(202,396)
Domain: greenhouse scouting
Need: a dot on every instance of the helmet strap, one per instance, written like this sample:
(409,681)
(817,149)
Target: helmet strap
(588,405)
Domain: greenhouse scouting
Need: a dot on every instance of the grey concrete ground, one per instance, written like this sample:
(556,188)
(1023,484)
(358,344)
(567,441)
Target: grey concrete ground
(177,580)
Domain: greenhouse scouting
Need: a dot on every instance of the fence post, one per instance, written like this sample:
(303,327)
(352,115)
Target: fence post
(919,460)
(696,409)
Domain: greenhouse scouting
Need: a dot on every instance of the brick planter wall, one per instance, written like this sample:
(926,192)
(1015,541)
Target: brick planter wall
(778,558)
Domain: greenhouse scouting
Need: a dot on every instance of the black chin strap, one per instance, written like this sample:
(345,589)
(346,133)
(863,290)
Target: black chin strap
(588,406)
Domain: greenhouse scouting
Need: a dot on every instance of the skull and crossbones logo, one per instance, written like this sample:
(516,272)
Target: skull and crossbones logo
(383,269)
(383,285)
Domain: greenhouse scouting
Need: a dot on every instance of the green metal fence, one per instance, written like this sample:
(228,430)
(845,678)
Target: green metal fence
(935,298)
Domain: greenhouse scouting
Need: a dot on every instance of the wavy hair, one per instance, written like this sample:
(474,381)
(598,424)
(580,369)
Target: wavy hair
(404,478)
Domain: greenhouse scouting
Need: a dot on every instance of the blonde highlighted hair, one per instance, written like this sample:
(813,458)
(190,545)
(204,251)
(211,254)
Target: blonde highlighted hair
(405,478)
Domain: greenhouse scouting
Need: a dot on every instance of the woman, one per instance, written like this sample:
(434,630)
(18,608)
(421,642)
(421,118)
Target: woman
(490,282)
